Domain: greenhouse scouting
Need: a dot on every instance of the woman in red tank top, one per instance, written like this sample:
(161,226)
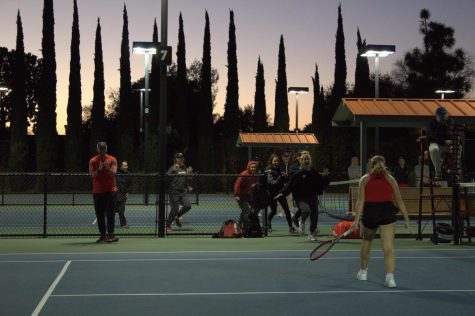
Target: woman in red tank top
(378,192)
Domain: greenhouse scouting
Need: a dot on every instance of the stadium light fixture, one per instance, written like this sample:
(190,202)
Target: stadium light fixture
(297,91)
(444,92)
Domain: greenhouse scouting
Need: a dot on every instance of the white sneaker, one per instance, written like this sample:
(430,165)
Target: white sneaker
(362,275)
(389,282)
(312,237)
(94,222)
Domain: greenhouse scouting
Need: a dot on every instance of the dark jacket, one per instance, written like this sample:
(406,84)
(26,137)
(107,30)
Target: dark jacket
(124,182)
(275,180)
(178,179)
(439,132)
(306,185)
(401,174)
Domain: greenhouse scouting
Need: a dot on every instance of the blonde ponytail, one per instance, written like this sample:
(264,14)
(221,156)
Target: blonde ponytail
(378,165)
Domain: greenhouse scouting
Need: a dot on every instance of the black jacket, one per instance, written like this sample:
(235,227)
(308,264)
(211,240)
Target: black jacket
(439,132)
(306,185)
(124,182)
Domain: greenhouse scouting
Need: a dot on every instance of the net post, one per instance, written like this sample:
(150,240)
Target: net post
(456,212)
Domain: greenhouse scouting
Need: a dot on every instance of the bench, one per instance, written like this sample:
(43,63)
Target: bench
(410,196)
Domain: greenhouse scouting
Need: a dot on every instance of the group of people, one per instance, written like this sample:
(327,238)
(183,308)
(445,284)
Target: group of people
(280,179)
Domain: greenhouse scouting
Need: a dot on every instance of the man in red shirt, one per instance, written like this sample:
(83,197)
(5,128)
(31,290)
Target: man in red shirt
(102,169)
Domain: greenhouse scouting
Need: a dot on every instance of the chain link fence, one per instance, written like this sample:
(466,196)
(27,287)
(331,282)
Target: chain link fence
(60,204)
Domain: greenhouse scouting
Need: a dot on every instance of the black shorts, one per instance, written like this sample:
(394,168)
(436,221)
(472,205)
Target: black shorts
(379,213)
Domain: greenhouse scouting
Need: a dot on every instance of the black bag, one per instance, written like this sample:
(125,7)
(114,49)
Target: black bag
(252,226)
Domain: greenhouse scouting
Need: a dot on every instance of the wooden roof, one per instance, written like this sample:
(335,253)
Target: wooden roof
(276,140)
(401,112)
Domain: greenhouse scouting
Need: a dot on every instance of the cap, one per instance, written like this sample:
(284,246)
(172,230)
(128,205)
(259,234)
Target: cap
(101,145)
(441,111)
(179,155)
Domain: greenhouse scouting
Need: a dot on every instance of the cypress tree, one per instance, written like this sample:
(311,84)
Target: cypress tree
(46,137)
(339,84)
(154,106)
(205,125)
(281,115)
(18,121)
(73,148)
(362,82)
(260,113)
(181,120)
(125,112)
(231,107)
(98,102)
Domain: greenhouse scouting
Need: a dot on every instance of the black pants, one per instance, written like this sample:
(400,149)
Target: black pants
(105,213)
(309,208)
(120,208)
(273,209)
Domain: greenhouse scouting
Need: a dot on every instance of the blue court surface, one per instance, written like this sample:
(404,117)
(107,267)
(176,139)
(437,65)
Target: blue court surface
(431,281)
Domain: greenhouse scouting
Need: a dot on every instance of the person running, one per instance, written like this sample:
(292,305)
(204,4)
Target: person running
(275,182)
(102,169)
(243,188)
(178,192)
(305,185)
(375,209)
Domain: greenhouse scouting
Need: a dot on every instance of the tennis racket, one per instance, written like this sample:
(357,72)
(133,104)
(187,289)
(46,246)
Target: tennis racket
(325,246)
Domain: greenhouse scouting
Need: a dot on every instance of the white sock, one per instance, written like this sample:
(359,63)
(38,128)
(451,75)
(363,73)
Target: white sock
(389,276)
(364,270)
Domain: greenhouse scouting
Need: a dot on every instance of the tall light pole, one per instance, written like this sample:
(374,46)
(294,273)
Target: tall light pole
(443,92)
(297,91)
(141,127)
(146,49)
(377,51)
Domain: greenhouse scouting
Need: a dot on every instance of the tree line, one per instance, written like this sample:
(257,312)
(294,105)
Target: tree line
(205,137)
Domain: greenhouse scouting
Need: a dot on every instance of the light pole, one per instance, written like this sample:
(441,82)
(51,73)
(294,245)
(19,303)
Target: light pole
(443,92)
(146,49)
(141,129)
(297,91)
(376,51)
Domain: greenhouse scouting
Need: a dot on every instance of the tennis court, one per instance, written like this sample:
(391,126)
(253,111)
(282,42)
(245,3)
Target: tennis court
(204,276)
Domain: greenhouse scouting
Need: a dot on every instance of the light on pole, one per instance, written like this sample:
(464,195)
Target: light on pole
(443,92)
(297,91)
(146,49)
(141,127)
(376,51)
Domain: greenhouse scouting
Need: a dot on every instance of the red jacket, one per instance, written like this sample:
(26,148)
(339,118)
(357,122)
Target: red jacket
(244,183)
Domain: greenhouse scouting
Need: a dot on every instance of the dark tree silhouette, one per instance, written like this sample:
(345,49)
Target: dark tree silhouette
(98,101)
(362,82)
(281,112)
(18,124)
(126,125)
(205,125)
(260,114)
(339,84)
(181,117)
(46,137)
(74,141)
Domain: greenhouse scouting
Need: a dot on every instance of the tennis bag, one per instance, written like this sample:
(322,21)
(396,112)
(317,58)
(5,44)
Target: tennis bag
(342,227)
(445,233)
(230,229)
(252,226)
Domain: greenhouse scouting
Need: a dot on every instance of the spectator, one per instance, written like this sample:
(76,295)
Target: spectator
(401,173)
(102,169)
(305,185)
(178,191)
(123,187)
(242,190)
(354,170)
(275,182)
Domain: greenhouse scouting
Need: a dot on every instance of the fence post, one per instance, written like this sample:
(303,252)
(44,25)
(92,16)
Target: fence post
(3,190)
(45,204)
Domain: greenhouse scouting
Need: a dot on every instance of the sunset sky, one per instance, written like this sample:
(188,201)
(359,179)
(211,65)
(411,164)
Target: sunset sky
(308,26)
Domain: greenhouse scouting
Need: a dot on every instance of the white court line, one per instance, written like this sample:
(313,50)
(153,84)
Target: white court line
(219,251)
(233,259)
(266,293)
(48,293)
